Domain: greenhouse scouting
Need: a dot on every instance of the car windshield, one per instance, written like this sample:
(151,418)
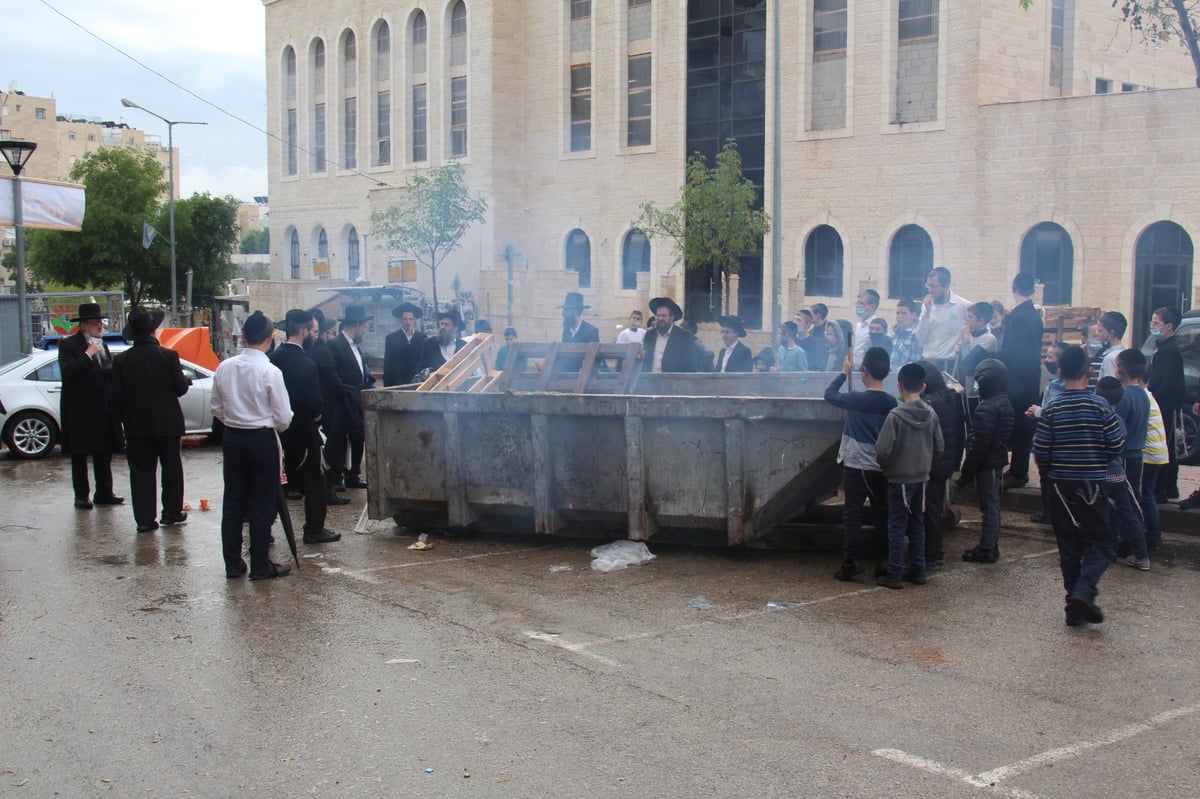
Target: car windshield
(19,362)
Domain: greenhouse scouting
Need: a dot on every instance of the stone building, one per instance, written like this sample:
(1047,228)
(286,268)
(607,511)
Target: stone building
(910,134)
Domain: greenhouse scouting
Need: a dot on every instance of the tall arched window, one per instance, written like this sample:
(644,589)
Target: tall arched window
(824,262)
(349,100)
(1048,254)
(291,112)
(458,80)
(1163,273)
(910,259)
(383,94)
(352,255)
(349,60)
(318,117)
(458,33)
(579,256)
(635,257)
(419,91)
(294,254)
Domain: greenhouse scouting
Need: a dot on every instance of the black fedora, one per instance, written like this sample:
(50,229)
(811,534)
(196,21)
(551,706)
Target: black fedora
(455,317)
(142,323)
(658,302)
(89,311)
(323,324)
(734,324)
(406,307)
(354,315)
(574,300)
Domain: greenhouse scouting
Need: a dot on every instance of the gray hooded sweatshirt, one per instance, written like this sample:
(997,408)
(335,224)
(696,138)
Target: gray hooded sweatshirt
(909,441)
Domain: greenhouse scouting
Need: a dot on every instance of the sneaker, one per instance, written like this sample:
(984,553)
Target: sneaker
(980,555)
(1193,501)
(1141,564)
(889,581)
(914,577)
(1074,616)
(848,572)
(1088,610)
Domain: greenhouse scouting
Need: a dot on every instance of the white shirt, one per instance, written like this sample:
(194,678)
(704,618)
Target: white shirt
(249,394)
(940,327)
(1108,367)
(862,338)
(628,336)
(727,354)
(357,355)
(660,346)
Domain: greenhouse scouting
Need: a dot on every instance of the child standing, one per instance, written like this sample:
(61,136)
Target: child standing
(862,479)
(987,455)
(1134,410)
(1077,436)
(1126,516)
(909,441)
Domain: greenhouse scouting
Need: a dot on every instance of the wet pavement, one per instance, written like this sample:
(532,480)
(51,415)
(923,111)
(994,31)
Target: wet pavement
(130,666)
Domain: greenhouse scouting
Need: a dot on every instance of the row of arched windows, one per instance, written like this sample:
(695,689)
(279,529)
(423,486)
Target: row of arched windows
(322,264)
(635,257)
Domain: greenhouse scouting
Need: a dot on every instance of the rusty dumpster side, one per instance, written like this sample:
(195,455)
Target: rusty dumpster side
(692,468)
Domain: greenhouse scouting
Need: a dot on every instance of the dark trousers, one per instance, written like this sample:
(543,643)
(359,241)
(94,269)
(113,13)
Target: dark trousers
(1083,528)
(1022,441)
(101,469)
(859,487)
(304,475)
(251,474)
(342,435)
(906,520)
(935,518)
(1150,504)
(145,456)
(988,481)
(1168,476)
(1130,517)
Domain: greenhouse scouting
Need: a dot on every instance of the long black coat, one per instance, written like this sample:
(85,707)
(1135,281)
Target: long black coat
(354,380)
(304,394)
(586,334)
(401,357)
(1021,352)
(147,385)
(742,360)
(431,352)
(85,406)
(681,354)
(1166,376)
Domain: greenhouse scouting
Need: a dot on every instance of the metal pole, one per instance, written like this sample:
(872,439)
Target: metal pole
(22,306)
(171,212)
(776,189)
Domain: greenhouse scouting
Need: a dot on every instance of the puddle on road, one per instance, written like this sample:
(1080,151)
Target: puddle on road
(113,560)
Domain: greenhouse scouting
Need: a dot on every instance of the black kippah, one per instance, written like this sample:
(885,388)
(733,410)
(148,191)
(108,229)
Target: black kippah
(256,327)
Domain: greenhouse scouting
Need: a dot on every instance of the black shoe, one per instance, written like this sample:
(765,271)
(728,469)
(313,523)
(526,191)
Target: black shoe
(848,572)
(1173,492)
(1193,501)
(355,482)
(83,504)
(980,555)
(240,571)
(1012,481)
(1041,517)
(273,570)
(889,581)
(322,537)
(1089,611)
(334,499)
(171,521)
(293,494)
(880,569)
(914,577)
(109,500)
(1074,616)
(335,483)
(147,528)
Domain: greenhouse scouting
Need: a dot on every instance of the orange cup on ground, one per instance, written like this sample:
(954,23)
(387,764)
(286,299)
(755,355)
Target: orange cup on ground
(204,504)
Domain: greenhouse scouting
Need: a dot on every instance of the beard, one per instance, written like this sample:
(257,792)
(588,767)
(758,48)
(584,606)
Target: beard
(445,339)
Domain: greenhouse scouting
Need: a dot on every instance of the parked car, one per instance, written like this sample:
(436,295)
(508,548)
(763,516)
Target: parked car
(1188,335)
(30,388)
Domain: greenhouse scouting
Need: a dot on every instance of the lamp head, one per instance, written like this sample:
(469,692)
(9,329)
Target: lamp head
(17,152)
(129,103)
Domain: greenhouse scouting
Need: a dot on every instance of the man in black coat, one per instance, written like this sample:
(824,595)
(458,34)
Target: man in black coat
(441,348)
(402,349)
(1021,352)
(668,347)
(85,413)
(302,440)
(355,375)
(147,385)
(331,400)
(734,356)
(1167,385)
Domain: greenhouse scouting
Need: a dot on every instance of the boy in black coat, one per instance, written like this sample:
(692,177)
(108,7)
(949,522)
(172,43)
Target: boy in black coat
(987,455)
(949,409)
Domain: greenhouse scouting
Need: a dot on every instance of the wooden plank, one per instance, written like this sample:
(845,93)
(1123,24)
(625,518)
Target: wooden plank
(641,524)
(461,366)
(548,367)
(458,511)
(735,487)
(545,520)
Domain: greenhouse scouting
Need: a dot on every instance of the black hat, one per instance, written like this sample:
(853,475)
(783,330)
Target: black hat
(256,326)
(658,302)
(88,311)
(142,323)
(355,315)
(323,324)
(734,324)
(574,300)
(296,315)
(454,317)
(406,307)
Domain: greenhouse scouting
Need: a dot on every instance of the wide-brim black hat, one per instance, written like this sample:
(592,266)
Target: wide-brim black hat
(142,323)
(90,310)
(734,324)
(406,307)
(574,300)
(355,315)
(323,324)
(455,317)
(658,302)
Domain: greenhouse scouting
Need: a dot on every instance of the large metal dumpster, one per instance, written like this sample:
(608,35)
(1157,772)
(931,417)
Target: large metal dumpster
(700,468)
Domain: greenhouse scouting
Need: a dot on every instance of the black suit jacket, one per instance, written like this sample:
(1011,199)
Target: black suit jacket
(346,365)
(147,385)
(681,353)
(586,334)
(304,392)
(401,357)
(742,360)
(1021,352)
(431,352)
(85,406)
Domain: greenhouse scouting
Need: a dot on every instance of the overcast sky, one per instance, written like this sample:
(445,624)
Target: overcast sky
(214,48)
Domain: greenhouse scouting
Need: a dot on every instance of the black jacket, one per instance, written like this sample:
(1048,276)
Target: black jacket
(1021,353)
(85,405)
(680,355)
(431,352)
(991,429)
(304,393)
(586,334)
(147,385)
(949,409)
(742,360)
(401,357)
(1166,376)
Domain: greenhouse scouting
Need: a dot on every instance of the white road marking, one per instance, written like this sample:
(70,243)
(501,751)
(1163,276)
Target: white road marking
(431,561)
(934,767)
(579,649)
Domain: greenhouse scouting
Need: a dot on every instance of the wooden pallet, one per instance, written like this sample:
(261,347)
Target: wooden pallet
(1067,321)
(569,368)
(469,367)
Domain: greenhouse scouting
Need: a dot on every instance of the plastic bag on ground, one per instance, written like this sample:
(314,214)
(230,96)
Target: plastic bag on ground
(620,554)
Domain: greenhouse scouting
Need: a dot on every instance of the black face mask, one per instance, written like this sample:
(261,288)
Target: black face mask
(1051,367)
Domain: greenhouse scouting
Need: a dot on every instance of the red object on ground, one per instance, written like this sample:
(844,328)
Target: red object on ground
(192,343)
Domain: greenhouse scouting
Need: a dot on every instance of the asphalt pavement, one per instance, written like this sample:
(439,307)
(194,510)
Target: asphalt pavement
(506,667)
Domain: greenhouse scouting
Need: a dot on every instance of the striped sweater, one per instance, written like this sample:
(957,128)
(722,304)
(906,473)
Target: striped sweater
(1155,453)
(1077,435)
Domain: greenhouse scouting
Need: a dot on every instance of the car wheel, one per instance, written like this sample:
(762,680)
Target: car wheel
(31,435)
(1191,433)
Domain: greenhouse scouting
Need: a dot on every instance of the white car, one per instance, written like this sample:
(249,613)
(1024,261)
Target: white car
(30,388)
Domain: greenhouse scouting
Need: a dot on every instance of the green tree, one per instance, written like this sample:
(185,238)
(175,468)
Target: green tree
(715,220)
(206,229)
(256,242)
(122,188)
(436,212)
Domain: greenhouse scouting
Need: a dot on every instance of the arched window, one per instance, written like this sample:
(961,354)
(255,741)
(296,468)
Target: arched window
(635,257)
(458,34)
(1163,273)
(910,259)
(318,117)
(420,35)
(352,254)
(579,256)
(322,245)
(289,73)
(383,94)
(1048,254)
(294,254)
(824,262)
(291,113)
(383,51)
(349,60)
(349,101)
(419,94)
(458,80)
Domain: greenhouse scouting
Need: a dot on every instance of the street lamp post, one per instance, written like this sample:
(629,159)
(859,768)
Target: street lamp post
(16,153)
(170,192)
